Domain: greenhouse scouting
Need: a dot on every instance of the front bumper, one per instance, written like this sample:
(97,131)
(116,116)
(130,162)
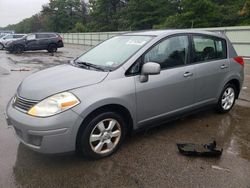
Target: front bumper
(55,134)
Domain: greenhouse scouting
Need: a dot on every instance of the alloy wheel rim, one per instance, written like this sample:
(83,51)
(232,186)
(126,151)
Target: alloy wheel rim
(105,136)
(228,98)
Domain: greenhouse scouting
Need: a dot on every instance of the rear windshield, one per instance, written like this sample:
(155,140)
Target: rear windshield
(115,51)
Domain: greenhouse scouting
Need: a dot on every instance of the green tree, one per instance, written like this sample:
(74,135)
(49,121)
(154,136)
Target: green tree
(204,13)
(145,14)
(245,13)
(104,14)
(79,27)
(113,15)
(63,14)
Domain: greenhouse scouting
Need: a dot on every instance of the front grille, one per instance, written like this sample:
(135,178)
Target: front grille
(23,104)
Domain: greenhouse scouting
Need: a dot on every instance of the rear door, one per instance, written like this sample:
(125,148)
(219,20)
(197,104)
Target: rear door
(209,54)
(173,89)
(44,40)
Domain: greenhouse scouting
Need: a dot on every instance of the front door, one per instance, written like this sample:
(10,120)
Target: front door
(173,89)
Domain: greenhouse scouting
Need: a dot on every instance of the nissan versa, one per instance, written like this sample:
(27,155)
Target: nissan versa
(123,84)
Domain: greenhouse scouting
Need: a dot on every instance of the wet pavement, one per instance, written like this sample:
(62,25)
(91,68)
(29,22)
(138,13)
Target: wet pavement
(147,159)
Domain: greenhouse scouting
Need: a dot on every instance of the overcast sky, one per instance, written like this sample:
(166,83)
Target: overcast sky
(13,11)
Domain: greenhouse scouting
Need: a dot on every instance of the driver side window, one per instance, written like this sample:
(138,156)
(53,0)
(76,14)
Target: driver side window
(171,52)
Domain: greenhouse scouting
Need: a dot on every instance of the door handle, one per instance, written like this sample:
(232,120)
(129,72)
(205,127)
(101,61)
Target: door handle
(223,66)
(188,74)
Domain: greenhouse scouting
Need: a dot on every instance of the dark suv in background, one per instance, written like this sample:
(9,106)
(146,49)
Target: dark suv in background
(36,41)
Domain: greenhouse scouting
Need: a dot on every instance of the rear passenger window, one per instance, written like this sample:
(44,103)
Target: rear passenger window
(208,48)
(169,53)
(45,36)
(18,36)
(31,37)
(42,36)
(51,35)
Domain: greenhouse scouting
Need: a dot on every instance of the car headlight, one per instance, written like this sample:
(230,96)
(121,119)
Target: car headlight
(54,105)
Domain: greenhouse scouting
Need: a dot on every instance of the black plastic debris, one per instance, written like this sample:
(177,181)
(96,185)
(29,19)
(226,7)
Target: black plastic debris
(22,69)
(206,150)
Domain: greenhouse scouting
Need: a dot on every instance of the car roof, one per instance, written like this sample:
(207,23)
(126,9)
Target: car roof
(161,33)
(45,33)
(15,34)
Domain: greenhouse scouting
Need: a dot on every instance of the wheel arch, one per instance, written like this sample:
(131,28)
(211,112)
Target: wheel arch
(108,107)
(236,83)
(52,43)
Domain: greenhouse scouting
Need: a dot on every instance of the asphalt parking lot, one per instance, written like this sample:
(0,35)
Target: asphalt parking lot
(147,159)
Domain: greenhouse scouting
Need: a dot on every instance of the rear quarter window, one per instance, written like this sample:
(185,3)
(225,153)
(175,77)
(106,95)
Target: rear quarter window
(206,48)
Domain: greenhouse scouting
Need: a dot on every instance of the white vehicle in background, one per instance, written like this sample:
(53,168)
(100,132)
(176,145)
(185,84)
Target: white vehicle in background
(2,35)
(8,38)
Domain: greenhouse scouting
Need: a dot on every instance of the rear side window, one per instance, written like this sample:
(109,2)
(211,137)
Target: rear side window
(41,36)
(17,36)
(208,48)
(51,35)
(171,52)
(45,35)
(31,37)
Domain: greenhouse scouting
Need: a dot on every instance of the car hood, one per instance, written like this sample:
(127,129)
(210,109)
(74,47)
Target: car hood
(57,79)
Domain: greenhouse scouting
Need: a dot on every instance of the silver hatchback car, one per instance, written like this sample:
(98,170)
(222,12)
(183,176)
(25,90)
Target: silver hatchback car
(123,84)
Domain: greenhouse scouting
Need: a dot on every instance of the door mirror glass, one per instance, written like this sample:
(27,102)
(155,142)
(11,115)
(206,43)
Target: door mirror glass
(149,68)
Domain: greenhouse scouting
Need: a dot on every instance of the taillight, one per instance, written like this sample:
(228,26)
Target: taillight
(60,38)
(239,60)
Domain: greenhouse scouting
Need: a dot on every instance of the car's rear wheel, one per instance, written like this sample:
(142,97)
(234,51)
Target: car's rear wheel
(18,49)
(52,48)
(227,99)
(1,46)
(102,136)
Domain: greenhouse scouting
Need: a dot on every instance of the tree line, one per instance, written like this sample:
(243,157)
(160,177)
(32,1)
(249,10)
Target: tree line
(124,15)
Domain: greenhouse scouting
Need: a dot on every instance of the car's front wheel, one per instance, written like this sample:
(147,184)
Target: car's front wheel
(102,136)
(227,99)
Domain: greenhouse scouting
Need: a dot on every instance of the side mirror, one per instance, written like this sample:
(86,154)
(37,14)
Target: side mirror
(149,68)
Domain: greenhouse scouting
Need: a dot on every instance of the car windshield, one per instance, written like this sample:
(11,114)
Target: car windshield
(113,52)
(1,36)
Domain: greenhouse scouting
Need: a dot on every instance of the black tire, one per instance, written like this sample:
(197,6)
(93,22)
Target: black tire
(52,48)
(84,146)
(220,107)
(18,49)
(1,46)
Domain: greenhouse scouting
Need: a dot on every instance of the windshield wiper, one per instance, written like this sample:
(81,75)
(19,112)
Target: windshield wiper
(89,65)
